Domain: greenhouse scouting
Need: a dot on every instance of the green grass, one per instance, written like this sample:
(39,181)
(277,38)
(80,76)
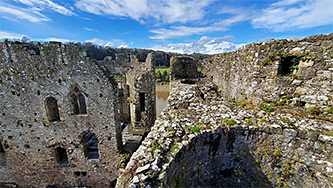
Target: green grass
(162,70)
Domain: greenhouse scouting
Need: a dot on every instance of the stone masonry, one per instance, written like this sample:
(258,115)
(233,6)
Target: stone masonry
(246,123)
(61,114)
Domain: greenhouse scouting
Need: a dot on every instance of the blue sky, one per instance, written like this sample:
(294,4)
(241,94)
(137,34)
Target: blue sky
(185,26)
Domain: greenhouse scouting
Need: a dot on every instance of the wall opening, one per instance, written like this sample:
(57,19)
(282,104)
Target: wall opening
(2,156)
(288,65)
(91,147)
(61,156)
(78,102)
(142,102)
(51,108)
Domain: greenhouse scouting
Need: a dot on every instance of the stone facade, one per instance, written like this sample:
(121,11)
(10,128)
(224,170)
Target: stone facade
(296,73)
(61,114)
(223,130)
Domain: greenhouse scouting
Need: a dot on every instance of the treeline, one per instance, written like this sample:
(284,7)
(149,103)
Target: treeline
(162,58)
(162,75)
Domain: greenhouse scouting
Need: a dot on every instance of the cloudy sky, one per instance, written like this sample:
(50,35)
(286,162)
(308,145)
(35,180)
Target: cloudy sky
(186,26)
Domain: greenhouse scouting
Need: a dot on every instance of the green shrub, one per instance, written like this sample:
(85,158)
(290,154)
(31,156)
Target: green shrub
(230,122)
(315,111)
(155,147)
(277,153)
(249,122)
(195,129)
(266,108)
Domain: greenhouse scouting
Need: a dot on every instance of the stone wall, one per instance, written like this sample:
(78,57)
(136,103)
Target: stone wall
(232,127)
(61,113)
(134,77)
(295,74)
(183,68)
(31,138)
(200,140)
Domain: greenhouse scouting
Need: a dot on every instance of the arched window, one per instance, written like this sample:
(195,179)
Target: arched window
(51,108)
(61,156)
(91,147)
(2,156)
(78,101)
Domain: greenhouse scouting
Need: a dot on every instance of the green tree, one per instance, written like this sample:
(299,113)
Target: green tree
(158,76)
(165,76)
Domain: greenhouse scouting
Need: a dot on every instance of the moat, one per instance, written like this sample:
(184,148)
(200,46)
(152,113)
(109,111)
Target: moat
(162,93)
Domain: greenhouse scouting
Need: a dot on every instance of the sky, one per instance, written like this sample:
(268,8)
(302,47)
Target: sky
(183,26)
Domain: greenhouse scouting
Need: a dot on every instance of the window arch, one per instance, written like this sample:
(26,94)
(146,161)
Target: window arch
(91,147)
(78,101)
(51,108)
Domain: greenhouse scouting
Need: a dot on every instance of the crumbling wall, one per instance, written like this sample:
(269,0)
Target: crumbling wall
(51,96)
(141,82)
(134,77)
(294,74)
(184,68)
(201,139)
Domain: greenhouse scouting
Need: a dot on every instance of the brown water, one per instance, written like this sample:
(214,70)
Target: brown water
(162,93)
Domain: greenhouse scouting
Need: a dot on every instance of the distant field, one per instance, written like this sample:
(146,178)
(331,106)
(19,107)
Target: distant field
(162,70)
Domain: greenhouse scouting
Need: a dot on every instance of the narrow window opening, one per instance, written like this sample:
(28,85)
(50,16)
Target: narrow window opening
(142,102)
(2,155)
(75,104)
(128,90)
(78,101)
(91,143)
(51,108)
(82,104)
(61,156)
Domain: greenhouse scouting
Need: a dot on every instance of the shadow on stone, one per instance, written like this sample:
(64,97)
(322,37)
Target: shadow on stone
(216,159)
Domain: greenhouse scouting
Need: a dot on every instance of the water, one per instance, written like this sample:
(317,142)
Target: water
(162,93)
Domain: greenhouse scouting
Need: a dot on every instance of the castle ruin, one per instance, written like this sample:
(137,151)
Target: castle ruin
(260,116)
(62,113)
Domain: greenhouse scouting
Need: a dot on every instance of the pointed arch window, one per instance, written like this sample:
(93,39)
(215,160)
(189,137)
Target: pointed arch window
(91,147)
(78,101)
(51,108)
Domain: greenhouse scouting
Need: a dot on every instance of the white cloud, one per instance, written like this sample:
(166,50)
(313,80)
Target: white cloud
(237,15)
(62,40)
(17,36)
(32,15)
(90,29)
(115,43)
(48,4)
(6,35)
(205,46)
(280,16)
(166,11)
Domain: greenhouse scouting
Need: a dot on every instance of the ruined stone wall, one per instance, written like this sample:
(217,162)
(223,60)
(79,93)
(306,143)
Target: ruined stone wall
(141,82)
(203,141)
(183,67)
(134,77)
(289,73)
(30,76)
(203,138)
